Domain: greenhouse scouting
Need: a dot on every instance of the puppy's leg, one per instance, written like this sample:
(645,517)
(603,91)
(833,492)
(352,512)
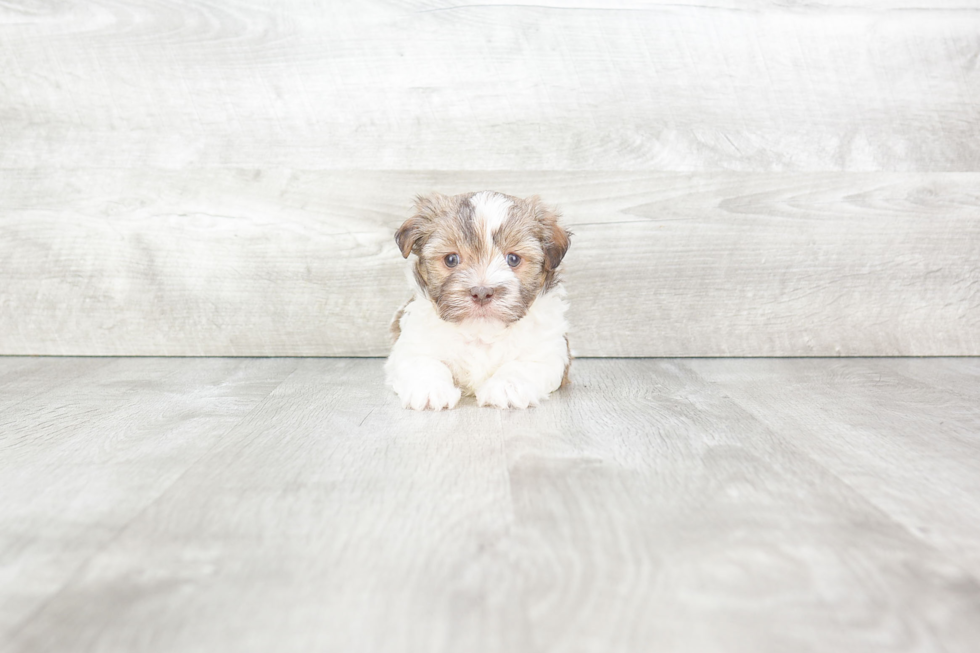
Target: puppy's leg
(519,384)
(422,382)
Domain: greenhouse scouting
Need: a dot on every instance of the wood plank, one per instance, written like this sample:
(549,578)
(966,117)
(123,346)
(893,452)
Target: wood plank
(302,263)
(655,513)
(958,376)
(82,459)
(871,85)
(22,378)
(893,430)
(646,507)
(330,519)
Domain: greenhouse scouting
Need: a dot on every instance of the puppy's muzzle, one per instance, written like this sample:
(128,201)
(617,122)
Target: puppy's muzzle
(482,295)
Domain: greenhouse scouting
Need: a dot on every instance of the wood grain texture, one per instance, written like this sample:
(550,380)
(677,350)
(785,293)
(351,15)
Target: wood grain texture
(27,377)
(847,418)
(82,458)
(869,85)
(744,178)
(669,505)
(252,262)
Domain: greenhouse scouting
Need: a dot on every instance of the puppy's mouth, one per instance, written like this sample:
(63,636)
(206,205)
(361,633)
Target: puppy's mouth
(484,311)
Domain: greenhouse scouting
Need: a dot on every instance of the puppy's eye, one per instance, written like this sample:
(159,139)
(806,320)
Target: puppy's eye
(451,260)
(513,260)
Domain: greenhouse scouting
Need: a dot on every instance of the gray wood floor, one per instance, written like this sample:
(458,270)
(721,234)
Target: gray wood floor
(668,505)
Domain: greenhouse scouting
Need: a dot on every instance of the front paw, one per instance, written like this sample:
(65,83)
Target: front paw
(427,393)
(507,391)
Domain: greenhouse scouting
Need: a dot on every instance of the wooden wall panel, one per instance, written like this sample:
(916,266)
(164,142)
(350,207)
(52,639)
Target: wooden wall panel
(239,262)
(745,178)
(424,84)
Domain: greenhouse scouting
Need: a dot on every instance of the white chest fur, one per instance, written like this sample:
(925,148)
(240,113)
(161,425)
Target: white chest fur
(503,365)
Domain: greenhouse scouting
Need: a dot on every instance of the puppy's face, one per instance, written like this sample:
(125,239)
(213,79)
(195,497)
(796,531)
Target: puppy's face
(483,255)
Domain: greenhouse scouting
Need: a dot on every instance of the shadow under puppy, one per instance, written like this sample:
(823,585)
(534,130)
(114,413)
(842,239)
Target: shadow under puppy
(488,313)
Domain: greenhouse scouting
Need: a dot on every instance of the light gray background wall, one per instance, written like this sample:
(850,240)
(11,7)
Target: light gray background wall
(743,178)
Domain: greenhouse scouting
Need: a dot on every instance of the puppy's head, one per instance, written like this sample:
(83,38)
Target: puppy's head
(483,255)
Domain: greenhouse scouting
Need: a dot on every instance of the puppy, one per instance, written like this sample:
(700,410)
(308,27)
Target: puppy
(488,313)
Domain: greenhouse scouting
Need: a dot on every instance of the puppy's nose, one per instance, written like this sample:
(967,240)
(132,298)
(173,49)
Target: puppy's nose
(481,294)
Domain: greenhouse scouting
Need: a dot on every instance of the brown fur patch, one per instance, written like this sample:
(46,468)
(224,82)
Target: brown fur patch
(531,215)
(565,379)
(430,211)
(396,322)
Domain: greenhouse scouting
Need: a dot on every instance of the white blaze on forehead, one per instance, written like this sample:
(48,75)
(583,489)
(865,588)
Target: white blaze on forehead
(493,273)
(498,273)
(491,209)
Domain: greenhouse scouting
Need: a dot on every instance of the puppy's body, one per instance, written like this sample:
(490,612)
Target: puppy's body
(488,315)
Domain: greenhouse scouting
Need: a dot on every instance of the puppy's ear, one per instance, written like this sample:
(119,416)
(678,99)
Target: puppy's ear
(554,237)
(556,244)
(411,235)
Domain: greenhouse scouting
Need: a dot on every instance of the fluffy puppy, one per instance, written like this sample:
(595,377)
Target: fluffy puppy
(488,313)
